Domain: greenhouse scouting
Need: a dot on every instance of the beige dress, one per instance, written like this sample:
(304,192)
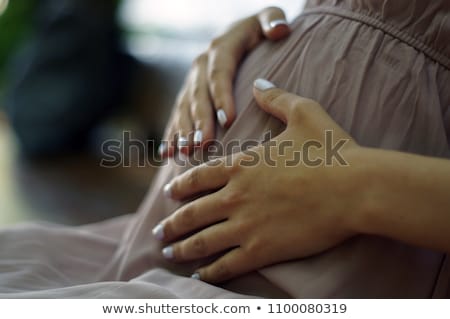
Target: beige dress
(380,69)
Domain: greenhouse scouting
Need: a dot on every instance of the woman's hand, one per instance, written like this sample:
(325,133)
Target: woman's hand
(289,198)
(208,86)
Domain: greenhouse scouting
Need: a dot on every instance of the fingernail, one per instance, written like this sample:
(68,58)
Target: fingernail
(168,190)
(262,84)
(162,149)
(276,23)
(222,117)
(195,276)
(158,231)
(168,252)
(182,142)
(183,157)
(198,137)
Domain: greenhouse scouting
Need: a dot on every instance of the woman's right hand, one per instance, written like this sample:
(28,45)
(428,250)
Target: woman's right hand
(207,91)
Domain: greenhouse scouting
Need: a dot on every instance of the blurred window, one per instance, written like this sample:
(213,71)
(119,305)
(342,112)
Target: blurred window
(183,28)
(3,6)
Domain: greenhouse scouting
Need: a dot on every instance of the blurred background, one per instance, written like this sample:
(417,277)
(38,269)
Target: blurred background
(74,73)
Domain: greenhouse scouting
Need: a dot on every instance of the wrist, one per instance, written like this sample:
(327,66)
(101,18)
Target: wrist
(370,175)
(384,176)
(405,197)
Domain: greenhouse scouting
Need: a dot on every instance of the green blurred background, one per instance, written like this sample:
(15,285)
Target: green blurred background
(15,27)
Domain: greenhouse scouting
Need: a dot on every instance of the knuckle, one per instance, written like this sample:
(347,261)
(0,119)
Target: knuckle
(177,120)
(273,96)
(232,198)
(199,93)
(216,97)
(181,124)
(186,217)
(199,246)
(197,110)
(199,60)
(216,43)
(299,109)
(193,178)
(180,121)
(243,227)
(221,271)
(214,75)
(201,115)
(196,91)
(234,169)
(295,111)
(168,230)
(217,163)
(255,247)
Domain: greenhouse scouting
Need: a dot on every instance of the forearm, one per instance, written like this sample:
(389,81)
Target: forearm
(407,198)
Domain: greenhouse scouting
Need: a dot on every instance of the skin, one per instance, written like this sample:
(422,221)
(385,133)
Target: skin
(208,85)
(379,192)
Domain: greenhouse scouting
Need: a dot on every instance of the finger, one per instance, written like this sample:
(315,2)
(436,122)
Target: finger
(166,148)
(273,100)
(235,263)
(296,110)
(178,118)
(193,216)
(206,177)
(168,144)
(207,242)
(201,108)
(273,23)
(282,104)
(184,125)
(221,69)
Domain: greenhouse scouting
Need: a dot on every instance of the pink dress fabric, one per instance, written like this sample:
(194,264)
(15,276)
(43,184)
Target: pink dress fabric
(380,69)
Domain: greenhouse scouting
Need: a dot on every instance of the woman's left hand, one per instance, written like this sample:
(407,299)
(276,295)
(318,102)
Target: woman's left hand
(291,197)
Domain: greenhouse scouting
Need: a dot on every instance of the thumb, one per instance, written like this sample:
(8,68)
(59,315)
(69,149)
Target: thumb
(273,23)
(295,109)
(273,100)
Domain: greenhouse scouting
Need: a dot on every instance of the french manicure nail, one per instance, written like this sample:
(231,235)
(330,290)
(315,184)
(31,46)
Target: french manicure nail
(262,84)
(158,231)
(276,23)
(168,252)
(195,276)
(167,190)
(182,156)
(198,137)
(222,117)
(162,148)
(182,142)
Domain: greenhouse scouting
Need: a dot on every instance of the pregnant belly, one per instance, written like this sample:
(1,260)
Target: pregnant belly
(376,88)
